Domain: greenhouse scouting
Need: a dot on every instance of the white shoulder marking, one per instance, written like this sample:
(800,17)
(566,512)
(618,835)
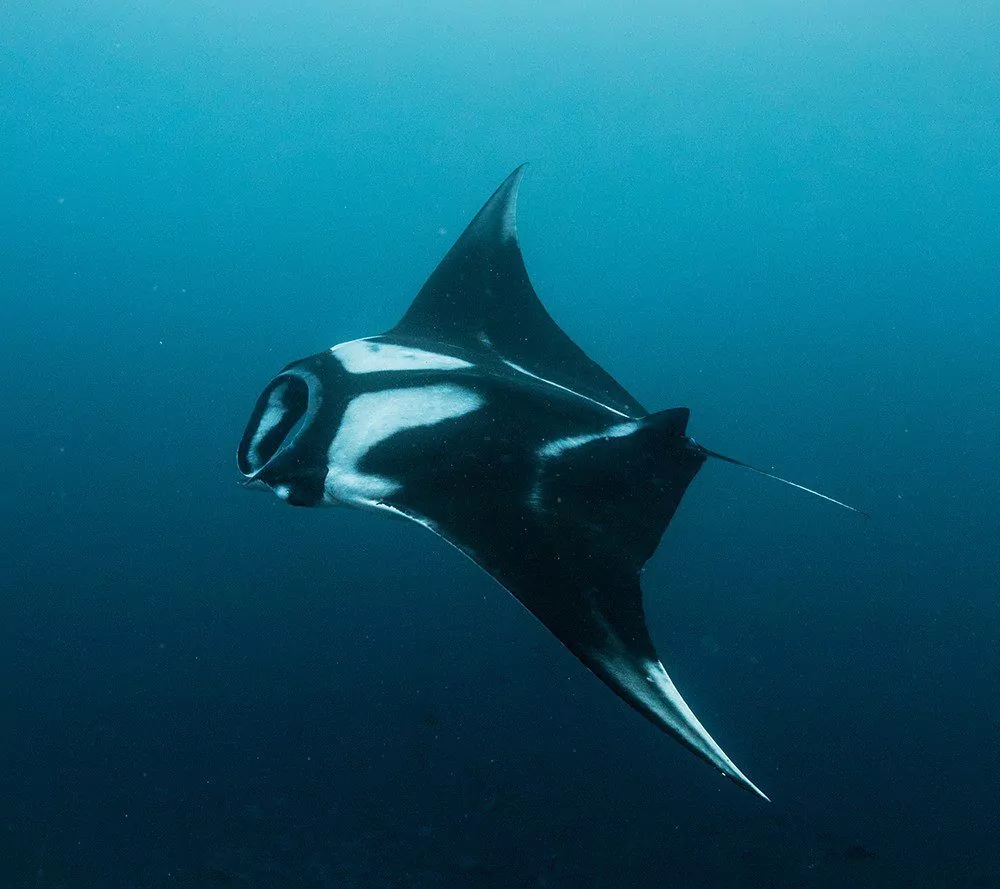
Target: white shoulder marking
(369,356)
(561,445)
(528,373)
(554,449)
(376,416)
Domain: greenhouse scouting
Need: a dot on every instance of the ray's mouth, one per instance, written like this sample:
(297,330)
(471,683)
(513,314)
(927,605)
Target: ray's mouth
(275,423)
(253,484)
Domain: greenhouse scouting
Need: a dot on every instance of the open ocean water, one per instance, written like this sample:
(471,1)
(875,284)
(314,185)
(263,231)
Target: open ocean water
(782,215)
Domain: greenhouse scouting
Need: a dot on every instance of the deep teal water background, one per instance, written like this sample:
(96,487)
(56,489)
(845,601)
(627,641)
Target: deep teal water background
(785,218)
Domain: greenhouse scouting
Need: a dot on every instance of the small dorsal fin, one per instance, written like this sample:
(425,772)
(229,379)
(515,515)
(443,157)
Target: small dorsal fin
(480,297)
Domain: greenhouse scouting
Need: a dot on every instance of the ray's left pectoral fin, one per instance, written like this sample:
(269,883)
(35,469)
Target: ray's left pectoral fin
(480,297)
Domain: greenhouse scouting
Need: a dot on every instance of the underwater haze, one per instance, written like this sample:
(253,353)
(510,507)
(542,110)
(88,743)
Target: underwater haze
(783,216)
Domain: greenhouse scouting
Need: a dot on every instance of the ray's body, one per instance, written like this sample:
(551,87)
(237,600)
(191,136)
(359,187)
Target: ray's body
(479,419)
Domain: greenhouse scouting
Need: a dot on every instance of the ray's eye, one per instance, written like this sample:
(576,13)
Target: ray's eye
(275,422)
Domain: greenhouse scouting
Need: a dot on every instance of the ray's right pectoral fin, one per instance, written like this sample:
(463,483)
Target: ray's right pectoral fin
(571,546)
(609,635)
(600,620)
(644,684)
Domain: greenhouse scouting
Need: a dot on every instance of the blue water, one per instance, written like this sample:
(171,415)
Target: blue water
(783,217)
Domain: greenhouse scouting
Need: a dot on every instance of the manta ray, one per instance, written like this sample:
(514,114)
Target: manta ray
(478,418)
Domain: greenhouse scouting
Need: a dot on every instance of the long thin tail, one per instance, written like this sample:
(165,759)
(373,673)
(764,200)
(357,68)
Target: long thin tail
(784,481)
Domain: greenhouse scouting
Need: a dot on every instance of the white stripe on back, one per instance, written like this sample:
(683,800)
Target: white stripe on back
(369,356)
(374,417)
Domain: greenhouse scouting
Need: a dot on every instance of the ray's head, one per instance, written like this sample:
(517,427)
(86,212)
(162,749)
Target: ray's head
(280,449)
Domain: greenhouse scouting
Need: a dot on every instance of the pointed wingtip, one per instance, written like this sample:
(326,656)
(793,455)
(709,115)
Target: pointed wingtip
(510,188)
(506,198)
(741,780)
(689,730)
(714,754)
(507,190)
(518,172)
(498,217)
(648,688)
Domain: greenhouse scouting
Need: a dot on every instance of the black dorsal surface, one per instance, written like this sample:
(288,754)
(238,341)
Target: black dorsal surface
(480,297)
(622,488)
